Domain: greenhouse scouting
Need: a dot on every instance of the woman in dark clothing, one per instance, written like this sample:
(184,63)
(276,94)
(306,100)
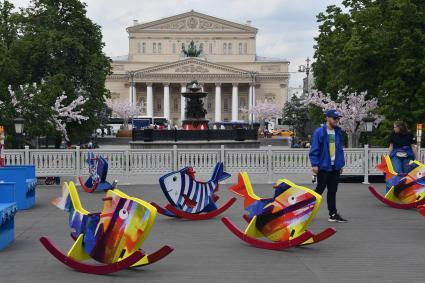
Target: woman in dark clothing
(402,147)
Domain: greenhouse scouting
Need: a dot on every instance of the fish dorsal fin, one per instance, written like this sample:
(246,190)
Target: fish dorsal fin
(73,193)
(77,251)
(248,186)
(252,230)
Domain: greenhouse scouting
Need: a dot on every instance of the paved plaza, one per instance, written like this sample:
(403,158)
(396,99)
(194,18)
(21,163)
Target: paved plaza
(379,244)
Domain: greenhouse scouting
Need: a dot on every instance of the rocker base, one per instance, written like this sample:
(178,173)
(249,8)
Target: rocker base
(98,269)
(328,232)
(157,256)
(421,210)
(192,216)
(395,204)
(85,188)
(263,244)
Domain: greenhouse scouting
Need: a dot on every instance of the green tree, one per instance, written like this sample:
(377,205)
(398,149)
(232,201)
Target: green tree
(56,43)
(295,114)
(378,47)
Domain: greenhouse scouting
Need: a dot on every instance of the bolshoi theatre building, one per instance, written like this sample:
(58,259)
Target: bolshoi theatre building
(160,63)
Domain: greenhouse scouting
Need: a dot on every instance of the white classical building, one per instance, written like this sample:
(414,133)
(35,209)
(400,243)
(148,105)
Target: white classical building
(155,71)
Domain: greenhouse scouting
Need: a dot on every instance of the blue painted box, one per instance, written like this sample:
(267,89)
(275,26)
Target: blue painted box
(8,209)
(24,177)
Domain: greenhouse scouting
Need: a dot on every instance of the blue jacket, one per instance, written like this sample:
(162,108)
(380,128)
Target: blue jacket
(319,151)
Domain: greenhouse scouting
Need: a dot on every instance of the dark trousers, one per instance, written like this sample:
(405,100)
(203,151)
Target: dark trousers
(328,180)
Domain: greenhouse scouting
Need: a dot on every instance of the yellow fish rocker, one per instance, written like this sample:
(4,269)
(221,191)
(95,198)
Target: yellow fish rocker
(283,219)
(112,237)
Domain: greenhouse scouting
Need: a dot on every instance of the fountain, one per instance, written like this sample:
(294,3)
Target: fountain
(195,111)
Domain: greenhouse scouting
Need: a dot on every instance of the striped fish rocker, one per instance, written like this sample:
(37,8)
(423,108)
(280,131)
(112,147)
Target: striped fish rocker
(192,199)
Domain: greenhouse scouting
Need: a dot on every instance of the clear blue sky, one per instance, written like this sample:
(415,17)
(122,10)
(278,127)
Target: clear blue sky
(286,27)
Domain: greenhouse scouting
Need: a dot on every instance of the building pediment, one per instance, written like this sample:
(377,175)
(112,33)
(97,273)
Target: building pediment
(191,66)
(192,22)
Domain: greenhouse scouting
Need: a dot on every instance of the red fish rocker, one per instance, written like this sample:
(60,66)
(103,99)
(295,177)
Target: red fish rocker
(98,170)
(282,219)
(112,237)
(192,199)
(405,191)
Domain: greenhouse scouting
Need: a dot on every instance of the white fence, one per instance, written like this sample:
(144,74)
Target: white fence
(145,166)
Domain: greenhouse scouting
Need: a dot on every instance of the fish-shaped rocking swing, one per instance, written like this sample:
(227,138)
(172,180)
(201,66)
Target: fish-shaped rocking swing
(98,170)
(112,237)
(192,199)
(283,219)
(405,191)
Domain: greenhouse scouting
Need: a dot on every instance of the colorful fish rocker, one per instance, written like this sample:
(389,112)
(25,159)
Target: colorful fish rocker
(405,191)
(283,219)
(191,199)
(112,237)
(98,170)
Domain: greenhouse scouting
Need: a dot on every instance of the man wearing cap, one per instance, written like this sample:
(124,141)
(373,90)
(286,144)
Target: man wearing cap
(327,160)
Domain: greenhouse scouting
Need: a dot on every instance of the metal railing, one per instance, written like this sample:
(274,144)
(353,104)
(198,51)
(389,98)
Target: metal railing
(140,166)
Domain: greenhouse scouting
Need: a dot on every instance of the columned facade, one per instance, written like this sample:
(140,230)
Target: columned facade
(155,72)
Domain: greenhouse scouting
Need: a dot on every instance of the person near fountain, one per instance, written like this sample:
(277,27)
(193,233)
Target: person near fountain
(327,160)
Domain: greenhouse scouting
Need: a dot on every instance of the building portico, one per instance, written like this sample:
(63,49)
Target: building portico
(235,80)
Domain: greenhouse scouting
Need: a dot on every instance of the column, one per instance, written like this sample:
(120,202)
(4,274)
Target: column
(235,102)
(218,102)
(149,100)
(167,101)
(132,94)
(182,103)
(254,100)
(250,101)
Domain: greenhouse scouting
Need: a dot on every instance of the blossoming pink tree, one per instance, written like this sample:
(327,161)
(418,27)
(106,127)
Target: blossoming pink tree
(29,97)
(124,110)
(264,111)
(353,108)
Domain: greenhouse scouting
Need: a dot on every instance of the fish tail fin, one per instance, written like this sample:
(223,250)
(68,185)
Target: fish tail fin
(218,173)
(386,166)
(69,199)
(64,201)
(244,189)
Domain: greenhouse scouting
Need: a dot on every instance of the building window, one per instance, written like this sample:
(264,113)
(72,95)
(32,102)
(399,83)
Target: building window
(159,47)
(154,47)
(144,47)
(209,105)
(211,48)
(225,105)
(230,48)
(139,48)
(158,104)
(174,48)
(240,48)
(224,48)
(176,105)
(201,46)
(245,48)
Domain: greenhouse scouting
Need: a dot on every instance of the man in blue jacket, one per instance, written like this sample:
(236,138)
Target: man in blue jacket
(327,160)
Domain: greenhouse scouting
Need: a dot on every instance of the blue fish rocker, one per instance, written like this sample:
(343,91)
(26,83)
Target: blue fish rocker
(192,199)
(98,170)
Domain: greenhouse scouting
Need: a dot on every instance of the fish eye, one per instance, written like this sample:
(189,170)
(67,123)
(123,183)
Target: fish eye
(292,199)
(123,214)
(419,174)
(175,178)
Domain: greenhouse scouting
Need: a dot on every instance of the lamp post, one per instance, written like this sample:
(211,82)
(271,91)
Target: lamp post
(368,122)
(19,128)
(305,69)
